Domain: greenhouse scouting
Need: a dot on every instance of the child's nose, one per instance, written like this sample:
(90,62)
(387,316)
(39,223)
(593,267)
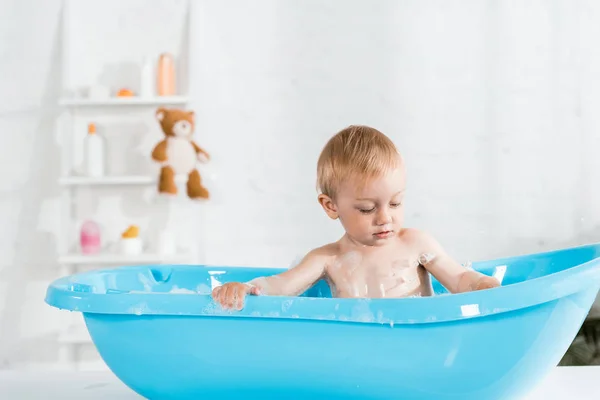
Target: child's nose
(383,217)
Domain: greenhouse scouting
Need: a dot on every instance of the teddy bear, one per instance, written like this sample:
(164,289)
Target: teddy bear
(178,153)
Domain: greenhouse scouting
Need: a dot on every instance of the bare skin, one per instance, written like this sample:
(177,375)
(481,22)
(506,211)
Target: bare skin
(376,258)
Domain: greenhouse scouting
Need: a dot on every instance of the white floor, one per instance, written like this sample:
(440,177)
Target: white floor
(565,383)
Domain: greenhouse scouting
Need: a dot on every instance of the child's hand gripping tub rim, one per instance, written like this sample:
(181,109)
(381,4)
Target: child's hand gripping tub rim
(233,294)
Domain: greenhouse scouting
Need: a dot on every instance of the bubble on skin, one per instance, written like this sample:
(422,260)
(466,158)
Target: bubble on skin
(345,267)
(382,290)
(262,284)
(414,263)
(349,261)
(426,258)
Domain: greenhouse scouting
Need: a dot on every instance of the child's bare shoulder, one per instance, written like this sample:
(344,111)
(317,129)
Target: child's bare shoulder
(416,238)
(325,252)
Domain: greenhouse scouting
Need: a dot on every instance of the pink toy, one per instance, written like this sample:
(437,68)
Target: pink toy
(90,237)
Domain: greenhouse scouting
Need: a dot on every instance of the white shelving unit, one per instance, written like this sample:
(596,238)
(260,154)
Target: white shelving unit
(124,101)
(112,259)
(126,180)
(74,333)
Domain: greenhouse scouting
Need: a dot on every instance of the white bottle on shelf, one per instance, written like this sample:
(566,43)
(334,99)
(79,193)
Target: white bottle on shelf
(94,153)
(147,79)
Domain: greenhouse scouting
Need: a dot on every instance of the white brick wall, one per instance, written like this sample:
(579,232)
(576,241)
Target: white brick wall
(493,105)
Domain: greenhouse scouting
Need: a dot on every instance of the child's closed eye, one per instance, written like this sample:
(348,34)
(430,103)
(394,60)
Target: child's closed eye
(366,211)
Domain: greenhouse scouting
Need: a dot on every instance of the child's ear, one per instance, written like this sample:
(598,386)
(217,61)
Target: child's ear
(328,206)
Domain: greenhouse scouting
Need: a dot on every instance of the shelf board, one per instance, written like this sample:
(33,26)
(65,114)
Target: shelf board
(113,180)
(107,180)
(124,101)
(108,258)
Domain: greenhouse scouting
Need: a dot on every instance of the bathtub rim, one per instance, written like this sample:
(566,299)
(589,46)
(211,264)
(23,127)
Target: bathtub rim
(441,308)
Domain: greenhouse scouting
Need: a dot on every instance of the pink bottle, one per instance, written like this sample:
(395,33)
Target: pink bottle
(166,75)
(90,237)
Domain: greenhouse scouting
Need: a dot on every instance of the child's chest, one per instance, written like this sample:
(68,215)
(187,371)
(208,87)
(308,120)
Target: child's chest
(386,273)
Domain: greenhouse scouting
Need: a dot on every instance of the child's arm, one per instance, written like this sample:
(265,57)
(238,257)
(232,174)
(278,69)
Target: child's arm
(447,271)
(292,282)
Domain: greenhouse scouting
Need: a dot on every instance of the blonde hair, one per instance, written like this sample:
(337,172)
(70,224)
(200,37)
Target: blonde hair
(356,152)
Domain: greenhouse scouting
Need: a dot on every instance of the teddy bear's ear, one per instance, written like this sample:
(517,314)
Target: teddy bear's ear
(160,113)
(192,115)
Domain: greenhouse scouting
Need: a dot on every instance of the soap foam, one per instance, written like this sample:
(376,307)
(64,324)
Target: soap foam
(176,290)
(146,282)
(362,312)
(203,289)
(285,306)
(139,309)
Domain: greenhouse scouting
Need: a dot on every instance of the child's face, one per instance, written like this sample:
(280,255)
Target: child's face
(373,214)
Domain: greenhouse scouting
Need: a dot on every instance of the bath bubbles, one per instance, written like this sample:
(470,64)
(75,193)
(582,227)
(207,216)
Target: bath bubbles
(146,282)
(426,258)
(272,314)
(213,308)
(362,311)
(177,290)
(263,284)
(350,261)
(285,306)
(139,309)
(203,289)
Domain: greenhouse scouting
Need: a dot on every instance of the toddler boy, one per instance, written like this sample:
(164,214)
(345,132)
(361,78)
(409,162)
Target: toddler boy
(362,181)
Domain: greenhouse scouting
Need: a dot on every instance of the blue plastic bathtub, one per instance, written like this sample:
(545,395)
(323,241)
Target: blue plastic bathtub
(494,344)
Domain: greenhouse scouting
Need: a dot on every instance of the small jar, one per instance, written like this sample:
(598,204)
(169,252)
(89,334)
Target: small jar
(90,238)
(131,246)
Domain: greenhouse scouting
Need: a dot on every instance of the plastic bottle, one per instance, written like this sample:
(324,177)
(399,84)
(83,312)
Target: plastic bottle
(147,79)
(94,153)
(166,75)
(90,238)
